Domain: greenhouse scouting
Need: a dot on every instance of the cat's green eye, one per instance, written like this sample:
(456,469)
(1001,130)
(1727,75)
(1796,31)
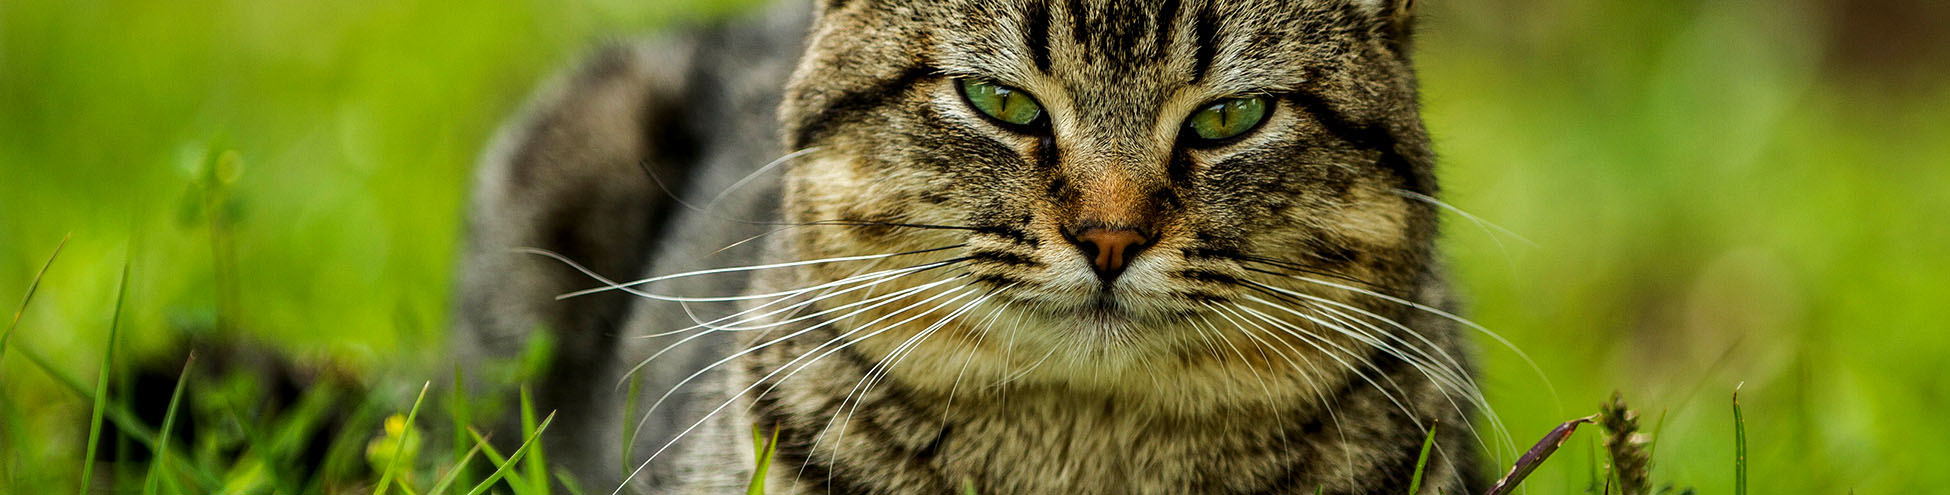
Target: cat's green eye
(1227,119)
(1009,105)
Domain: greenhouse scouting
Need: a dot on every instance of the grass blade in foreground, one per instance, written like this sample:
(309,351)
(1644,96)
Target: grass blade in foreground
(513,457)
(764,450)
(454,473)
(160,465)
(1536,456)
(399,449)
(31,287)
(101,383)
(494,456)
(535,464)
(1422,461)
(1739,446)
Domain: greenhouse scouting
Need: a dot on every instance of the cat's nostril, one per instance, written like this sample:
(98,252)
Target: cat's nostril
(1109,249)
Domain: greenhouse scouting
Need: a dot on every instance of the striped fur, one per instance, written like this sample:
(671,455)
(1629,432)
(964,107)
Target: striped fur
(910,316)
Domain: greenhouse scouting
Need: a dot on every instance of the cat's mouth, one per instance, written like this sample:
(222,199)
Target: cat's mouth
(1105,308)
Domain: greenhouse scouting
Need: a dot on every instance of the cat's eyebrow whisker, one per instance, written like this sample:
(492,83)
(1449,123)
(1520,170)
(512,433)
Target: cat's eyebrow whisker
(680,436)
(1480,223)
(609,285)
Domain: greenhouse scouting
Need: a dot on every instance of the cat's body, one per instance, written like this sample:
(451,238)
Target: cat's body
(1089,303)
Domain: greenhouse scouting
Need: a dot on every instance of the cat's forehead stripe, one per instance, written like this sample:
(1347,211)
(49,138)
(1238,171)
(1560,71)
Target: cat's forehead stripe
(1206,25)
(1118,32)
(1037,18)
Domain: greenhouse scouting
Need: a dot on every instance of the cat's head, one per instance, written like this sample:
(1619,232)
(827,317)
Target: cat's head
(1115,188)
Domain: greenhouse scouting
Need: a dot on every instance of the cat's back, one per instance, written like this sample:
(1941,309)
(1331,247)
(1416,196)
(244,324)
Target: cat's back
(651,157)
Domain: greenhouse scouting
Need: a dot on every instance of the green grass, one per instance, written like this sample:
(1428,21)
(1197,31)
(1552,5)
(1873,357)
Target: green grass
(1422,461)
(1716,193)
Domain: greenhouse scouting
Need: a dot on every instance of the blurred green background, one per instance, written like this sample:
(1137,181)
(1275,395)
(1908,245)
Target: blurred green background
(1712,193)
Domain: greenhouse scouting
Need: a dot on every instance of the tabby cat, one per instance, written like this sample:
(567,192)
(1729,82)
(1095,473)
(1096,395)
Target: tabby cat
(1007,246)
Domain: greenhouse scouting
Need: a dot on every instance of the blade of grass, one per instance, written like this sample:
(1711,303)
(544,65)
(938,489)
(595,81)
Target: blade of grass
(535,465)
(345,454)
(1422,460)
(513,458)
(32,286)
(1536,455)
(14,435)
(1739,445)
(568,482)
(385,479)
(459,414)
(95,419)
(453,474)
(629,423)
(763,450)
(161,462)
(284,441)
(494,456)
(117,413)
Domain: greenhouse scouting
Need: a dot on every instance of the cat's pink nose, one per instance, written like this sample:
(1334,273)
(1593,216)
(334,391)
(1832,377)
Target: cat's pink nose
(1109,249)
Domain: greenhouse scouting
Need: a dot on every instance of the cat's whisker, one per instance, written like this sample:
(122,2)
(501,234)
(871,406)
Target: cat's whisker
(865,384)
(1480,223)
(988,323)
(1340,430)
(673,441)
(1456,377)
(882,301)
(1317,343)
(1278,416)
(1452,371)
(757,347)
(1539,370)
(1448,383)
(879,299)
(878,278)
(1339,355)
(748,178)
(609,285)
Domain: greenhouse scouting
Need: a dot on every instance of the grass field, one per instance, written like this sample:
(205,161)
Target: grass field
(1697,194)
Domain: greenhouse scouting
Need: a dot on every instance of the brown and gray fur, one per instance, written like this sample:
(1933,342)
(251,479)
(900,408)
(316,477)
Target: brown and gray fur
(1284,329)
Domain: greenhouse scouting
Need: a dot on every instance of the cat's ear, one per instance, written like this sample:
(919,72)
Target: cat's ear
(1390,8)
(1397,15)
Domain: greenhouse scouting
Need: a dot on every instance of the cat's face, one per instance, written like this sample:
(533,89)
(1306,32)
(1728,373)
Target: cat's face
(1119,184)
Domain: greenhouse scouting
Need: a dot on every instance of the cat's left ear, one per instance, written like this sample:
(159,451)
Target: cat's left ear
(1397,16)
